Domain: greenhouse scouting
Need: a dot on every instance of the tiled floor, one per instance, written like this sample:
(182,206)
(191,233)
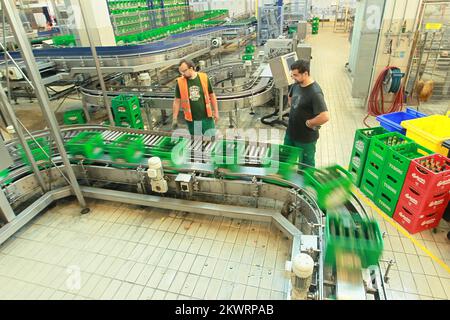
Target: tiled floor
(126,252)
(122,252)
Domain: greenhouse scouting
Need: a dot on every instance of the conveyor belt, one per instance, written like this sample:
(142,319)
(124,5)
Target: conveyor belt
(182,40)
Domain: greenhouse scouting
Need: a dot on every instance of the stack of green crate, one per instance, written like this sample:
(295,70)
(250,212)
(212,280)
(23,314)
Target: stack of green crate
(315,25)
(343,235)
(128,148)
(127,112)
(64,40)
(86,145)
(360,150)
(330,186)
(74,117)
(40,149)
(393,175)
(375,162)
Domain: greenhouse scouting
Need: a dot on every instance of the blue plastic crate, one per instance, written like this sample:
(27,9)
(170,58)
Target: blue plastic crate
(392,121)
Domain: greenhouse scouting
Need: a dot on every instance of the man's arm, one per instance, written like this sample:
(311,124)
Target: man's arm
(215,106)
(321,110)
(319,120)
(213,99)
(176,108)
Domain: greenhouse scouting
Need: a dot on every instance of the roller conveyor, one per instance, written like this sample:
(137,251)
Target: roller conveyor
(248,184)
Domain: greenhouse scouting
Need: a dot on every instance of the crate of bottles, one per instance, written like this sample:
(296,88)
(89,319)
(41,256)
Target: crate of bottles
(331,186)
(430,173)
(40,149)
(86,145)
(399,157)
(128,148)
(381,144)
(74,117)
(344,235)
(360,149)
(171,150)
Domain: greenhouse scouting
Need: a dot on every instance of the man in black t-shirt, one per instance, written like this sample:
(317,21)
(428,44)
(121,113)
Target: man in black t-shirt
(308,112)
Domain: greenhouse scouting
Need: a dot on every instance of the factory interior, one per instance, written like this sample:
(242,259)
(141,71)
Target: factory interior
(225,150)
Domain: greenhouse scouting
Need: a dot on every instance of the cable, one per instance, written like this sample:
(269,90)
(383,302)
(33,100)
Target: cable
(377,108)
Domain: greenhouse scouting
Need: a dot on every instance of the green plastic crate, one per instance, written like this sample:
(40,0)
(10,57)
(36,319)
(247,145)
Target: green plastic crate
(126,121)
(394,172)
(74,117)
(282,160)
(399,158)
(361,145)
(86,145)
(250,49)
(344,235)
(247,57)
(228,154)
(127,149)
(331,186)
(172,151)
(41,156)
(4,177)
(381,144)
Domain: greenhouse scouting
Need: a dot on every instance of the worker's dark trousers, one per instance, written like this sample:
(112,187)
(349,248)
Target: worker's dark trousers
(308,151)
(204,127)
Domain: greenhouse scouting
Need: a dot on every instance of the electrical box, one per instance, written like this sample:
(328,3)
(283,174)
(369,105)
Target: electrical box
(281,69)
(185,182)
(304,51)
(5,158)
(277,47)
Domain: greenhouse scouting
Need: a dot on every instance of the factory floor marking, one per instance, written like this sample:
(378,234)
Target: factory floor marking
(401,230)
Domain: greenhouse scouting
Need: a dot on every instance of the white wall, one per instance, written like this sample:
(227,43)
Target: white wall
(235,7)
(326,9)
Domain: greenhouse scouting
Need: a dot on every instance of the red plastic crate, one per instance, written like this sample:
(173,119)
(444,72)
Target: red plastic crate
(417,200)
(424,179)
(417,222)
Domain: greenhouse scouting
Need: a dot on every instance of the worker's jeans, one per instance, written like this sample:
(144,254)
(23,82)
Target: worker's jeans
(308,151)
(203,127)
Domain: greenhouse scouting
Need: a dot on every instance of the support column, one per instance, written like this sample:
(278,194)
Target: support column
(41,94)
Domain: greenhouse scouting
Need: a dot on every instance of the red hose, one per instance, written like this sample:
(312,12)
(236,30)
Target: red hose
(375,108)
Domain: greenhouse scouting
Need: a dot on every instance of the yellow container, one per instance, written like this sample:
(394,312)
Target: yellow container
(430,132)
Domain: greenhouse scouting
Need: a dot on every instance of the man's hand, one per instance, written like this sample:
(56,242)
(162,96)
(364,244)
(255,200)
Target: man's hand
(216,117)
(174,124)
